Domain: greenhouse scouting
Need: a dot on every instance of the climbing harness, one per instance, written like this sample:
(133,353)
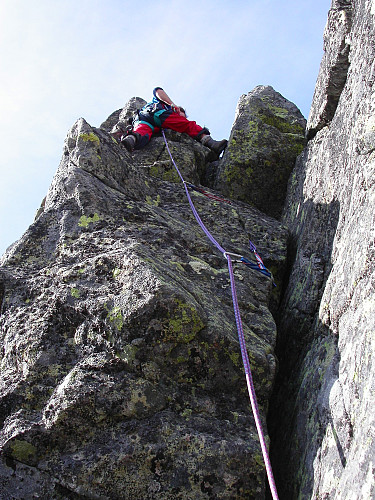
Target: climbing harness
(245,358)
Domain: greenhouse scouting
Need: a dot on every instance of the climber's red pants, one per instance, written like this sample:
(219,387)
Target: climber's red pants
(174,122)
(181,124)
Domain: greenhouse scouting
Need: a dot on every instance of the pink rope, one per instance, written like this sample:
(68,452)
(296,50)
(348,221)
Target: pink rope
(241,338)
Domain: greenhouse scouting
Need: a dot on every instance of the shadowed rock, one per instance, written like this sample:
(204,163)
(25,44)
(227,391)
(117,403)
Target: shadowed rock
(327,318)
(333,68)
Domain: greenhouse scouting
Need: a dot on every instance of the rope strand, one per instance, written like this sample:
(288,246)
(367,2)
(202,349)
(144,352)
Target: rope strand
(250,384)
(241,338)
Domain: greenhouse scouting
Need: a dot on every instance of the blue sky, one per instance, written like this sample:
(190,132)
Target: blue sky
(65,59)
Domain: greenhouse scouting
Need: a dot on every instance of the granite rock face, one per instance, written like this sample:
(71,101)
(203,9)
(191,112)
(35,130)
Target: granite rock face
(266,138)
(121,374)
(324,442)
(120,371)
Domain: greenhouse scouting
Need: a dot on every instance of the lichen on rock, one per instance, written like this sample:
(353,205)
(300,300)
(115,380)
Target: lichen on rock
(325,331)
(266,138)
(120,366)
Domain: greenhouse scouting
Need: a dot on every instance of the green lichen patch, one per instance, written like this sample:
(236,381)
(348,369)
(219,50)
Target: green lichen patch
(91,137)
(234,356)
(116,272)
(153,202)
(74,292)
(116,318)
(164,172)
(23,451)
(84,221)
(283,125)
(183,324)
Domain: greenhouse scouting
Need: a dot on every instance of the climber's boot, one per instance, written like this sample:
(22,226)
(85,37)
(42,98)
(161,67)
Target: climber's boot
(129,141)
(216,146)
(117,132)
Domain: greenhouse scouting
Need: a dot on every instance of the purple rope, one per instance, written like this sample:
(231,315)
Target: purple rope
(196,215)
(199,220)
(250,384)
(241,338)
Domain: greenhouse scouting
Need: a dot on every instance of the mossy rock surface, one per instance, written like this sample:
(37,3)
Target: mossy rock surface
(266,138)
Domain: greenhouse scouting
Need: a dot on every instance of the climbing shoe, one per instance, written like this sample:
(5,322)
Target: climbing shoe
(215,146)
(129,142)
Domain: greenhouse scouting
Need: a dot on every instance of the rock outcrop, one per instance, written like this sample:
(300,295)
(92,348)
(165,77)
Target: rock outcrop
(266,138)
(324,440)
(121,374)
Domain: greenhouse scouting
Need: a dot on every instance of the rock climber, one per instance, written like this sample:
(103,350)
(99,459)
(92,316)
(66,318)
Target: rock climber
(161,112)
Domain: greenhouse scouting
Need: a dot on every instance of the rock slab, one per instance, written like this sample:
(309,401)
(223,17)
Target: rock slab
(327,320)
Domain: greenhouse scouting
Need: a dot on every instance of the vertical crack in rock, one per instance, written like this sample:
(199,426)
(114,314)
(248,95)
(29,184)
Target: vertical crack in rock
(334,67)
(321,419)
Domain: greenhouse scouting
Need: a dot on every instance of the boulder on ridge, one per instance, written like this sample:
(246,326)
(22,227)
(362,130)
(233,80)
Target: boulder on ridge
(266,138)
